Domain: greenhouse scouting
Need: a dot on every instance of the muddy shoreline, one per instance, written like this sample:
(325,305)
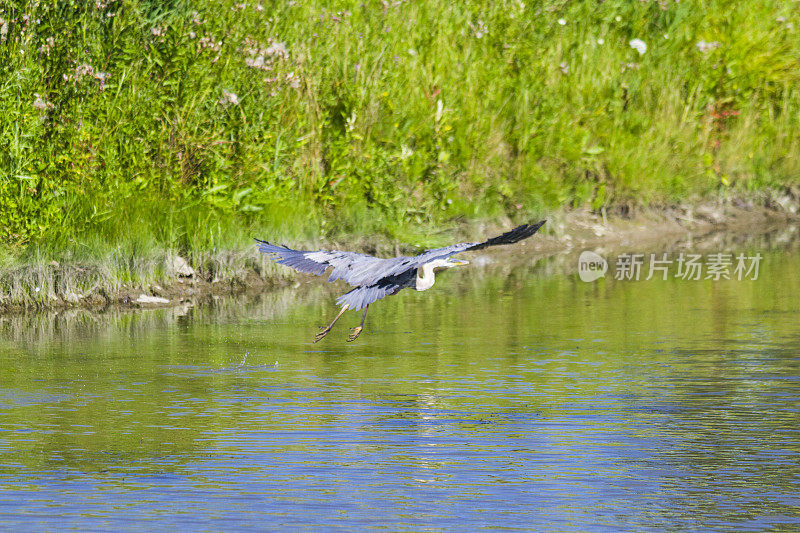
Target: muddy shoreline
(248,272)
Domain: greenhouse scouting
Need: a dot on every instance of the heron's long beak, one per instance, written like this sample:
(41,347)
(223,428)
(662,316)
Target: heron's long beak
(458,262)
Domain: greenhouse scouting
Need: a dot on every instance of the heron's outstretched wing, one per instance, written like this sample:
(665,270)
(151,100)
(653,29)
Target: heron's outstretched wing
(361,270)
(354,268)
(510,237)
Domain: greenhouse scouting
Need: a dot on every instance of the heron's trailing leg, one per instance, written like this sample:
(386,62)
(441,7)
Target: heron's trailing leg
(356,331)
(325,329)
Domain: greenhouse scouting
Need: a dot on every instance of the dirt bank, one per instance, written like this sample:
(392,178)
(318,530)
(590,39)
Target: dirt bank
(61,286)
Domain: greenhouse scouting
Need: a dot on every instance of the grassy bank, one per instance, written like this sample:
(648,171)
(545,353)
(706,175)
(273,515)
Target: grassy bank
(135,128)
(122,276)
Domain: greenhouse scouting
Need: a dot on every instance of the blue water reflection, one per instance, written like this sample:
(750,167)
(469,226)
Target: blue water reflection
(553,406)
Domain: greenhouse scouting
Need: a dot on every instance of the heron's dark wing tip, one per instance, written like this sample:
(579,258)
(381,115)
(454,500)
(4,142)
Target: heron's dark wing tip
(269,248)
(530,229)
(512,236)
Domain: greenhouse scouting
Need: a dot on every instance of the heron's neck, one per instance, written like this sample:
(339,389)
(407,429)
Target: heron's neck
(425,278)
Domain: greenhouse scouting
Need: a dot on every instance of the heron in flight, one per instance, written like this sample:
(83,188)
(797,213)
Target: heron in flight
(375,278)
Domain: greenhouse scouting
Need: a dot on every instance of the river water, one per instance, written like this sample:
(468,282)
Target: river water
(505,397)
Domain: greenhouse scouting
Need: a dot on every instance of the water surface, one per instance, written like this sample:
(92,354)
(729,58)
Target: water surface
(517,398)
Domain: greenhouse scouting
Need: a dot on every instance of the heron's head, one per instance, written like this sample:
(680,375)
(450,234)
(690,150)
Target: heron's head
(447,262)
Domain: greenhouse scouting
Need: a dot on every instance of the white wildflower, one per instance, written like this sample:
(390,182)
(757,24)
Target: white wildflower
(47,46)
(3,30)
(601,41)
(102,77)
(479,29)
(250,47)
(256,62)
(157,32)
(277,50)
(564,68)
(293,80)
(40,103)
(209,43)
(706,47)
(228,98)
(80,71)
(263,59)
(562,22)
(638,45)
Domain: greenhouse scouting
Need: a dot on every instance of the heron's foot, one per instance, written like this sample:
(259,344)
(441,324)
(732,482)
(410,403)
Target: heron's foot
(321,335)
(356,331)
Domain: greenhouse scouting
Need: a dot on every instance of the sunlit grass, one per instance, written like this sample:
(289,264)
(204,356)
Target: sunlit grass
(186,128)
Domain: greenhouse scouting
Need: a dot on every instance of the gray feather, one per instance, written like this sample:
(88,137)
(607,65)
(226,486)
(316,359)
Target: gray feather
(373,277)
(361,297)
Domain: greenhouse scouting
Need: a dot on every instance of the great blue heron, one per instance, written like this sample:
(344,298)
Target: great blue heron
(375,278)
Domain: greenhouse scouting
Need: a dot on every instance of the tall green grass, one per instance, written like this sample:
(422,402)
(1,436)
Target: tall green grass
(190,126)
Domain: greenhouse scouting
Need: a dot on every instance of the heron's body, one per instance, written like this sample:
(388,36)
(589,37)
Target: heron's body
(374,278)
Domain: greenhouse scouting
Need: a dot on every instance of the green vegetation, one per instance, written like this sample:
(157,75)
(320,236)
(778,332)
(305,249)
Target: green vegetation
(136,126)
